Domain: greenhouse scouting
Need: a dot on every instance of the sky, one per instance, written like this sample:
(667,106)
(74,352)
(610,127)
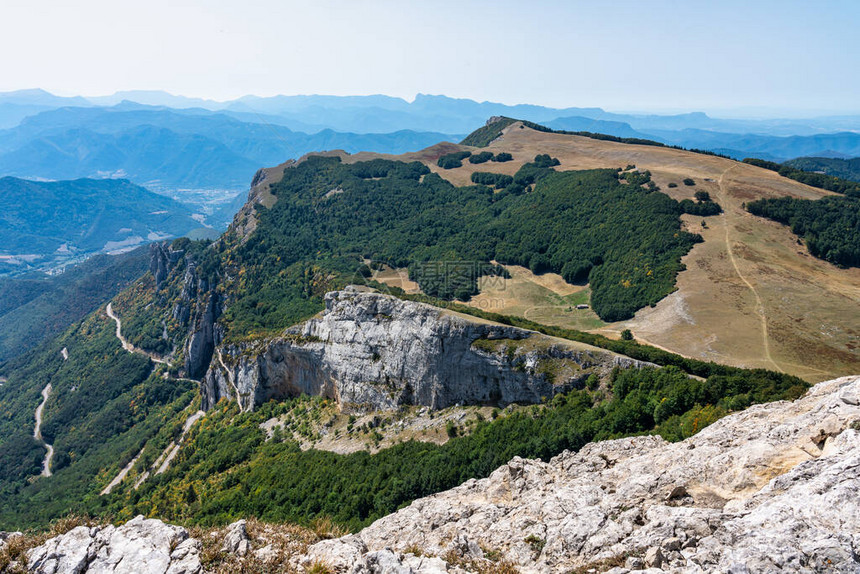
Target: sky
(784,57)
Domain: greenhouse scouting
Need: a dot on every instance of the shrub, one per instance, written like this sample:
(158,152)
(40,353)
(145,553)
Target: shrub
(497,180)
(452,160)
(701,209)
(482,157)
(503,157)
(544,160)
(689,181)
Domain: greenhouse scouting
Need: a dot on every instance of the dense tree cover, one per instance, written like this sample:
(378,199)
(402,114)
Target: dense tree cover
(585,225)
(278,481)
(497,180)
(481,157)
(40,217)
(452,160)
(830,226)
(819,180)
(104,405)
(700,208)
(842,168)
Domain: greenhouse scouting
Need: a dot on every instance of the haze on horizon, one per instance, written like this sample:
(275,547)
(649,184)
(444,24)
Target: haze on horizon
(771,58)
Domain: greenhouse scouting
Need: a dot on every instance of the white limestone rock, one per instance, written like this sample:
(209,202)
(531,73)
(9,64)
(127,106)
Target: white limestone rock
(140,546)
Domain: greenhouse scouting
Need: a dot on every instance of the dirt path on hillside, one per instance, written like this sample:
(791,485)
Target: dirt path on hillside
(162,463)
(759,305)
(125,344)
(37,432)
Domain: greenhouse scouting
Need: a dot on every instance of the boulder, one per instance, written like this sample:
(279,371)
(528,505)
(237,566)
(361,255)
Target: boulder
(236,539)
(140,546)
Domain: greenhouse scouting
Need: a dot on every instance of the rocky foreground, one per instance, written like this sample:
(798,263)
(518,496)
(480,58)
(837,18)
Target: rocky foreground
(775,488)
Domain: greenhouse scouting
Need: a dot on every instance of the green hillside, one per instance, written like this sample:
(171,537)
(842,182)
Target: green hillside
(34,306)
(66,218)
(843,168)
(610,227)
(619,234)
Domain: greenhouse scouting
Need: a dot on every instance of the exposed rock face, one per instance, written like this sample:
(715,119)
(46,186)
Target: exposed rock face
(204,336)
(197,307)
(138,547)
(775,488)
(352,557)
(162,258)
(374,352)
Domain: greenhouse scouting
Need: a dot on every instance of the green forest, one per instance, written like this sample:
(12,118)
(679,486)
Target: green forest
(830,226)
(819,180)
(842,168)
(620,235)
(276,481)
(104,405)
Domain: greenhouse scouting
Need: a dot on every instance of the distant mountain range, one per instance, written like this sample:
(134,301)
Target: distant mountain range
(48,223)
(190,148)
(163,140)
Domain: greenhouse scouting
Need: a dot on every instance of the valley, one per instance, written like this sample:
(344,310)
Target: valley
(430,287)
(302,369)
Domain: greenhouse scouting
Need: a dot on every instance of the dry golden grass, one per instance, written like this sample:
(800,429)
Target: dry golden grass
(286,541)
(397,278)
(751,295)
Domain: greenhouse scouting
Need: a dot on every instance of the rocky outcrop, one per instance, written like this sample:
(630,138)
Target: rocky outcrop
(140,546)
(371,351)
(205,334)
(353,557)
(775,488)
(162,258)
(236,540)
(197,306)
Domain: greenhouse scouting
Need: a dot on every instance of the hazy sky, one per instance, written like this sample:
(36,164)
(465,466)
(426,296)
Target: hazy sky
(620,55)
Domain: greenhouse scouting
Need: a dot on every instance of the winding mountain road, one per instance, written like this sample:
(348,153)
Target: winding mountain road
(37,432)
(162,463)
(127,345)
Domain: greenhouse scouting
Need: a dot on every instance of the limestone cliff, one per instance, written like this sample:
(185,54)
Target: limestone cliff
(196,306)
(371,351)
